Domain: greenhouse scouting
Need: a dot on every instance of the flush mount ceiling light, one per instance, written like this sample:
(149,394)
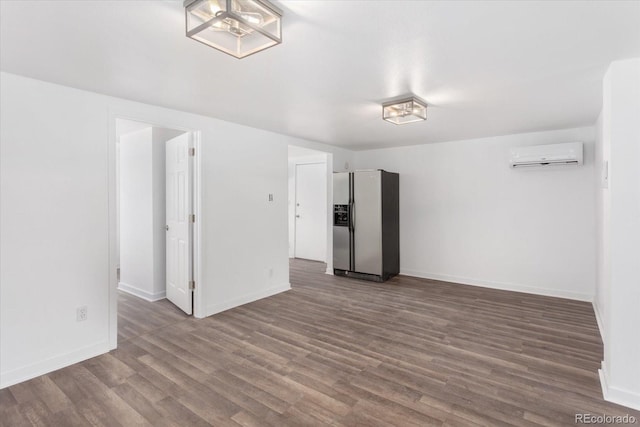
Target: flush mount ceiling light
(237,27)
(405,111)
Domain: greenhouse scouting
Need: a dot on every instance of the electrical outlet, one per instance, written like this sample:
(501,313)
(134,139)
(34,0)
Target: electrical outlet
(81,314)
(270,272)
(270,197)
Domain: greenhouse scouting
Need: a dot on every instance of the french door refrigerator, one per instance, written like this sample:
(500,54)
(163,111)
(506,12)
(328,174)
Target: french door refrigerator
(366,224)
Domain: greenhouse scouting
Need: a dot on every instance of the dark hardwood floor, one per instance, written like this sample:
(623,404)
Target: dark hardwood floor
(137,317)
(335,351)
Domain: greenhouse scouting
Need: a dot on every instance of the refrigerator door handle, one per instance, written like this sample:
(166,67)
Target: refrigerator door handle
(352,214)
(352,246)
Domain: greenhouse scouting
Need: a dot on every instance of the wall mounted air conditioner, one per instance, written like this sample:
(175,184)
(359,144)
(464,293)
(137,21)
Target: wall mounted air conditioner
(569,153)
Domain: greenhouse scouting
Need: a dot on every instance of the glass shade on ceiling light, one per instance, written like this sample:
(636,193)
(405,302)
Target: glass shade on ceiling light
(405,111)
(237,27)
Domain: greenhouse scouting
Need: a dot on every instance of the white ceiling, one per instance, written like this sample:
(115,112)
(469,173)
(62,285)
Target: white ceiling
(485,68)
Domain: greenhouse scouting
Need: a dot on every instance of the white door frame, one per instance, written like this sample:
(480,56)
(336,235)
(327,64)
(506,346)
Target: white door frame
(113,214)
(329,163)
(329,214)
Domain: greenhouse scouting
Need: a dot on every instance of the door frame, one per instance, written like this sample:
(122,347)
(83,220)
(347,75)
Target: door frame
(328,159)
(295,200)
(113,211)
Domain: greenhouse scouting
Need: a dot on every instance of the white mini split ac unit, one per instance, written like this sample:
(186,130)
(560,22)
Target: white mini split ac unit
(569,153)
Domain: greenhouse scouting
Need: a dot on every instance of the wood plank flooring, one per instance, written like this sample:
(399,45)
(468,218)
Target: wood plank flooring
(339,352)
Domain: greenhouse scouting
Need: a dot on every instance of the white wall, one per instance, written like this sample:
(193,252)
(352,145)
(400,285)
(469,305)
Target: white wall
(58,218)
(159,137)
(54,219)
(620,373)
(137,215)
(466,217)
(602,156)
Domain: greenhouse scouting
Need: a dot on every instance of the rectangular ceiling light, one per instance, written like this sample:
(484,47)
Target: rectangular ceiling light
(405,111)
(237,27)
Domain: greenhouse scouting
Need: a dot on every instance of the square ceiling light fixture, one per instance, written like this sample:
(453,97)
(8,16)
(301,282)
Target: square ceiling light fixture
(237,27)
(405,111)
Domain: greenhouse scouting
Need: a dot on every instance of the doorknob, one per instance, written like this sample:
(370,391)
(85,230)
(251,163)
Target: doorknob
(166,227)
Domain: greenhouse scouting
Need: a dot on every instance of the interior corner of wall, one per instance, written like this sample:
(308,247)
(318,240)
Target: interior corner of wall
(597,310)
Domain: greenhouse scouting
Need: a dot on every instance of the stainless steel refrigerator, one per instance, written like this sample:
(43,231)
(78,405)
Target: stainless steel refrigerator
(366,224)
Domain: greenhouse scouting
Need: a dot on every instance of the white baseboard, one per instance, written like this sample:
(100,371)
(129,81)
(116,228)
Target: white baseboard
(616,395)
(52,364)
(599,320)
(148,296)
(500,285)
(245,299)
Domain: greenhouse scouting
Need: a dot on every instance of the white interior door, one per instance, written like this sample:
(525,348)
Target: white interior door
(179,226)
(311,211)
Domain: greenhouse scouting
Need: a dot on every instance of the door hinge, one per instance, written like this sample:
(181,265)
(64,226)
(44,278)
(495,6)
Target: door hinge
(118,274)
(192,151)
(193,217)
(192,285)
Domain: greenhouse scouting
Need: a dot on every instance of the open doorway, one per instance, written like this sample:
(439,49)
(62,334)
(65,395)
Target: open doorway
(309,192)
(154,203)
